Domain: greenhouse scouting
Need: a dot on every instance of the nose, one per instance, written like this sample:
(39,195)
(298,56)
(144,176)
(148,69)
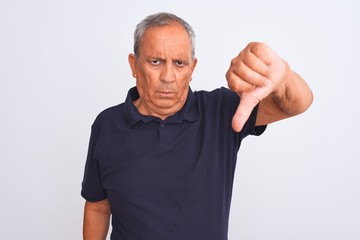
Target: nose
(167,73)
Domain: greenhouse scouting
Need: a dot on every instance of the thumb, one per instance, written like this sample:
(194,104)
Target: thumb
(243,111)
(248,102)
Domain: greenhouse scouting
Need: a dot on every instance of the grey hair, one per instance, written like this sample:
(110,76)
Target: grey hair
(158,20)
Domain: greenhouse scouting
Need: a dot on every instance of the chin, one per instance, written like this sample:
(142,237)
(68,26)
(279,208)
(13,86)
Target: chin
(167,103)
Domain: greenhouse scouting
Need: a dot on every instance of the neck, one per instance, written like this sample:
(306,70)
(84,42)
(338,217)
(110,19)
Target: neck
(160,113)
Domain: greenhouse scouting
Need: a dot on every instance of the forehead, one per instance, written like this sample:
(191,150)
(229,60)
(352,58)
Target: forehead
(166,39)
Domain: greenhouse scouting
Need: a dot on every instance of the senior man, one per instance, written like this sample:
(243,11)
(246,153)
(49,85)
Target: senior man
(162,163)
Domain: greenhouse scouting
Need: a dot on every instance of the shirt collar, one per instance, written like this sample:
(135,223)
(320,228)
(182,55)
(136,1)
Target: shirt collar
(189,111)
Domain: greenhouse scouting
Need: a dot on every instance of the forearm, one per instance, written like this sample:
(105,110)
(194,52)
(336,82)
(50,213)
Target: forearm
(96,220)
(293,96)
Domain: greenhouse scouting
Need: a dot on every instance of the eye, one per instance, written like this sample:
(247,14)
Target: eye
(155,62)
(180,63)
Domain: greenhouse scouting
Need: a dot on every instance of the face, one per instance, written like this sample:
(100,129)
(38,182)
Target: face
(163,70)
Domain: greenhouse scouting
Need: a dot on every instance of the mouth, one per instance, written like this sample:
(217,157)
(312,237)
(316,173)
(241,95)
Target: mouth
(166,94)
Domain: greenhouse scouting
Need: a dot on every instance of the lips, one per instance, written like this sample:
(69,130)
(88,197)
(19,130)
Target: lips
(166,94)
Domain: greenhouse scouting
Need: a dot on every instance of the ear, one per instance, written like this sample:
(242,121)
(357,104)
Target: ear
(193,64)
(132,63)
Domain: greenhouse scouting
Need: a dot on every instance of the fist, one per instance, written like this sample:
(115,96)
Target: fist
(254,74)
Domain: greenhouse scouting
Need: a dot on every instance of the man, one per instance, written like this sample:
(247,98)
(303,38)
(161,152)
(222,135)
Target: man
(162,162)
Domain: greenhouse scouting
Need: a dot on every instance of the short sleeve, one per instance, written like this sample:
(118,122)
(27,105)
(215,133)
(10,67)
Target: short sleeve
(232,100)
(250,127)
(92,189)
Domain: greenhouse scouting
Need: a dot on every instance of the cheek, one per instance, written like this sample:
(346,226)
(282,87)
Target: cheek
(183,86)
(141,86)
(146,86)
(185,81)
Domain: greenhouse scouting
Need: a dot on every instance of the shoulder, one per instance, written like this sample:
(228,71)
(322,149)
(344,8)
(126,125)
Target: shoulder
(219,97)
(109,115)
(216,94)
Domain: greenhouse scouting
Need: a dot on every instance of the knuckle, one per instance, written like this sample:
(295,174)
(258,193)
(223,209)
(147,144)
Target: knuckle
(232,85)
(251,44)
(259,47)
(235,61)
(228,75)
(255,64)
(246,74)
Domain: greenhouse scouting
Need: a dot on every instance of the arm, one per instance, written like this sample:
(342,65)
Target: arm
(261,77)
(96,220)
(291,99)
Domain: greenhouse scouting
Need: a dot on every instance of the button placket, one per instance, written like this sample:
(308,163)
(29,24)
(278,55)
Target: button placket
(163,139)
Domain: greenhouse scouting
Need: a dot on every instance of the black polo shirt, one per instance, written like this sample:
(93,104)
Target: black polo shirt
(171,179)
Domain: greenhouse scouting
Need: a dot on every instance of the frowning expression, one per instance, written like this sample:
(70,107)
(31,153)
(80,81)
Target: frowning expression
(163,70)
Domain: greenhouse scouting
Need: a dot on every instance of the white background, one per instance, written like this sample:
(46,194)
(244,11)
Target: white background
(62,62)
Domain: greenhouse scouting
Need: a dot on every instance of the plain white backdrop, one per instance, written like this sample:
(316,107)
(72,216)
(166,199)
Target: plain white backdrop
(62,62)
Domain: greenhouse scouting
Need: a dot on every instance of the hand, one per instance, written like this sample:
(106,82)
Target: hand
(254,74)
